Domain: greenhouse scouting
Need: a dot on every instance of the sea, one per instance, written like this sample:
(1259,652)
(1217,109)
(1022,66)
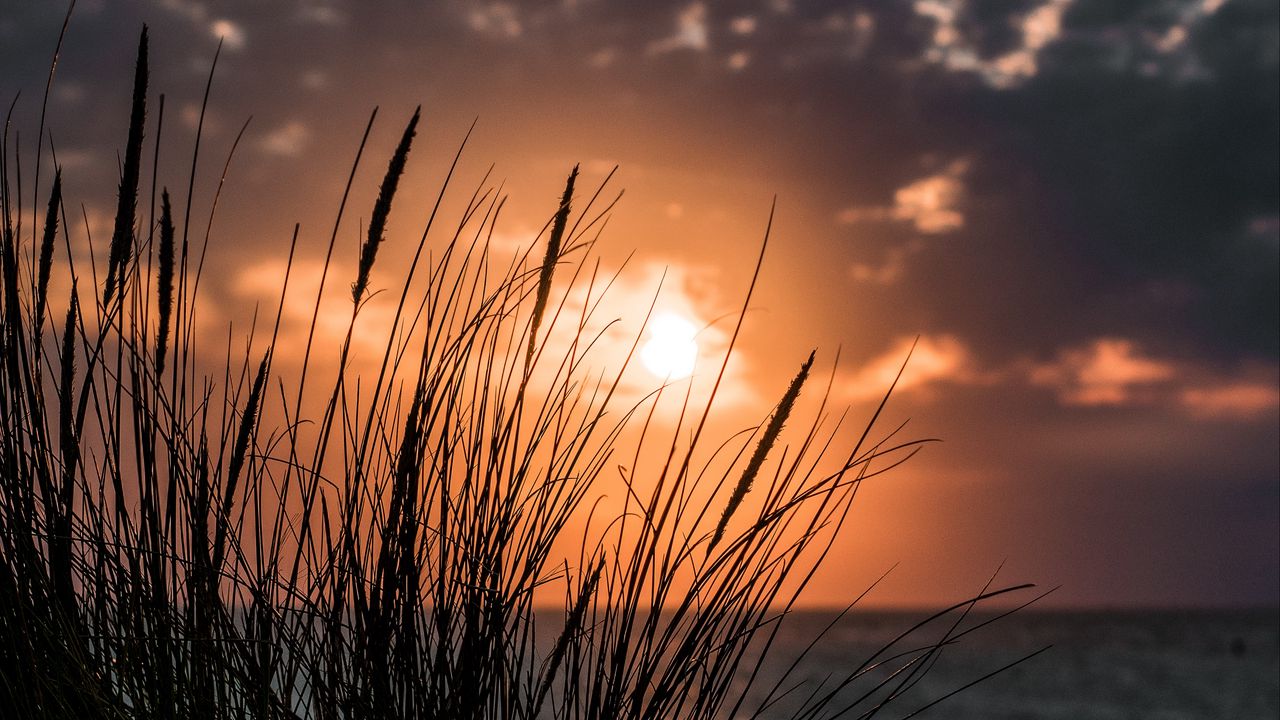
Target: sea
(1093,665)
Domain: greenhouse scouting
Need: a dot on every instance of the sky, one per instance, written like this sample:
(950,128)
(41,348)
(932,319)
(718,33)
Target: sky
(1071,206)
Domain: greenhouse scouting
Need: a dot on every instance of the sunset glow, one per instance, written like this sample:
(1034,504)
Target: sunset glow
(676,360)
(1070,211)
(672,349)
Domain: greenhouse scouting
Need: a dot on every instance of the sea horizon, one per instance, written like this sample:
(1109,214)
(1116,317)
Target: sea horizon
(1084,664)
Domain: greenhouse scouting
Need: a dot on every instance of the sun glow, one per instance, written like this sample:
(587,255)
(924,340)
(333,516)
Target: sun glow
(672,349)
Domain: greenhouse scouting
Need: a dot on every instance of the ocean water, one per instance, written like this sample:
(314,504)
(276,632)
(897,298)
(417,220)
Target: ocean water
(1153,665)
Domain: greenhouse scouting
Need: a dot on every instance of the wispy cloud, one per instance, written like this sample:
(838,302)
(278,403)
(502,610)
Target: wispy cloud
(261,280)
(738,60)
(889,269)
(688,291)
(950,47)
(1117,372)
(190,116)
(322,13)
(1247,398)
(77,159)
(931,203)
(1108,371)
(190,9)
(936,359)
(314,80)
(857,28)
(496,19)
(743,25)
(288,140)
(603,58)
(690,33)
(1189,15)
(231,34)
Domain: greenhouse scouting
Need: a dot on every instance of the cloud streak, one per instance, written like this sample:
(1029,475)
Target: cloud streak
(1108,371)
(931,204)
(1117,372)
(936,359)
(288,140)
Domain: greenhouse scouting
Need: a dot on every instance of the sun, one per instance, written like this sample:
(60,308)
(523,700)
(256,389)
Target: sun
(672,349)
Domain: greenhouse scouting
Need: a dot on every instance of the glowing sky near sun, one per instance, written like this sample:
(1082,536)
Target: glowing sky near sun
(1069,207)
(671,351)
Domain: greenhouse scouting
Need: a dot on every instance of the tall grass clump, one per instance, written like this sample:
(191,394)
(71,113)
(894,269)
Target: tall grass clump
(187,537)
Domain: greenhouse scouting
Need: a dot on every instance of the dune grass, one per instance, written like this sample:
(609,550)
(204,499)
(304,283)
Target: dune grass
(183,538)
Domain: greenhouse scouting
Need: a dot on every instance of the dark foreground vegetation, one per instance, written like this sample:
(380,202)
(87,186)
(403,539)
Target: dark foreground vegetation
(187,537)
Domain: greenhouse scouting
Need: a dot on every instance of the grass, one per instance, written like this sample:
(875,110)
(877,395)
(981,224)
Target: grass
(180,538)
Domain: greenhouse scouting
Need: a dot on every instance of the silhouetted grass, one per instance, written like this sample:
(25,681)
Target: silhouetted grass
(176,542)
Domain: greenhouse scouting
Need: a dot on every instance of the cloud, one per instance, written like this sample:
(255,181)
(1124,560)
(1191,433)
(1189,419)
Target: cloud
(1189,15)
(1116,372)
(289,140)
(1244,399)
(321,13)
(194,11)
(950,47)
(1176,57)
(70,93)
(1251,392)
(858,26)
(614,306)
(610,304)
(262,279)
(939,358)
(743,25)
(498,20)
(70,159)
(929,203)
(782,7)
(1108,371)
(690,34)
(190,116)
(314,80)
(603,58)
(1266,228)
(512,240)
(1172,39)
(232,34)
(889,270)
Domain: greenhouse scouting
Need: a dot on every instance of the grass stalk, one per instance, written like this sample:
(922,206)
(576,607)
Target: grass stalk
(191,532)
